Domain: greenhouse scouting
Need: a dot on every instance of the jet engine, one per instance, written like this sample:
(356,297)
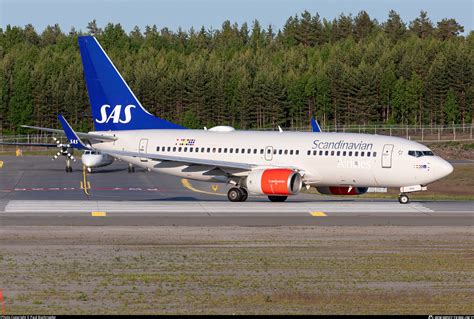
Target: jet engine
(342,190)
(274,182)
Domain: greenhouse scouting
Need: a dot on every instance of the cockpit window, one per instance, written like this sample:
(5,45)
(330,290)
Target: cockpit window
(420,153)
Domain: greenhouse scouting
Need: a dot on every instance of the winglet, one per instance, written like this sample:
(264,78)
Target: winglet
(315,125)
(74,140)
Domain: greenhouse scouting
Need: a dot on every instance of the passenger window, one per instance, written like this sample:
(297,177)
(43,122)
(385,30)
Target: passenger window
(297,152)
(185,149)
(309,152)
(190,149)
(213,150)
(332,153)
(236,151)
(326,153)
(286,152)
(243,151)
(374,154)
(179,149)
(219,150)
(169,148)
(197,150)
(208,150)
(280,152)
(261,151)
(356,154)
(174,149)
(291,152)
(274,151)
(350,153)
(225,150)
(320,153)
(344,153)
(368,154)
(157,148)
(315,152)
(255,151)
(362,154)
(338,153)
(163,149)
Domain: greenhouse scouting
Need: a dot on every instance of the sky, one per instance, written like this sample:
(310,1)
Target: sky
(211,13)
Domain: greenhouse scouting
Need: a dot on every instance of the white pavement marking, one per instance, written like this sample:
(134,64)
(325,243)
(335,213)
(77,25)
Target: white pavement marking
(76,206)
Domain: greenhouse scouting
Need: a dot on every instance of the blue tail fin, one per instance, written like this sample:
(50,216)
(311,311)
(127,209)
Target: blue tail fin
(114,106)
(74,140)
(315,126)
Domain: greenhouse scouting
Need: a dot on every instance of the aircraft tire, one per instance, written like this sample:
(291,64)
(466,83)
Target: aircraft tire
(235,194)
(245,195)
(403,199)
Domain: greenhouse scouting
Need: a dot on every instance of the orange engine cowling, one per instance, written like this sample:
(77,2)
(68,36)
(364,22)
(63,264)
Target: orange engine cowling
(278,181)
(341,190)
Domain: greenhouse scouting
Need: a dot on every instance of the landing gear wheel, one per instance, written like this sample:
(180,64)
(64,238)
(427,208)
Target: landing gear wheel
(131,169)
(245,194)
(403,199)
(277,198)
(89,169)
(235,194)
(70,169)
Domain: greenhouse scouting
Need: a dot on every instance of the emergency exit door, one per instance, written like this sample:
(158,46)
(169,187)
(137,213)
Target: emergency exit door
(387,156)
(142,148)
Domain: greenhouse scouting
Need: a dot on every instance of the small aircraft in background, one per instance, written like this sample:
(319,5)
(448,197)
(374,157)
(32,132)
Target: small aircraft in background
(91,159)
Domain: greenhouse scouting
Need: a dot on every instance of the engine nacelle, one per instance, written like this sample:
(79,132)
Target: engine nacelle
(278,181)
(342,190)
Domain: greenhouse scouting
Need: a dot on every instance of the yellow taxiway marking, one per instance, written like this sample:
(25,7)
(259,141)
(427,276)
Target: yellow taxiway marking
(98,214)
(317,214)
(1,164)
(188,185)
(85,185)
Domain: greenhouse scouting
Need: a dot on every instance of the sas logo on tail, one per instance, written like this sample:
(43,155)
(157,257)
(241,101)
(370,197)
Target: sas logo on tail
(115,114)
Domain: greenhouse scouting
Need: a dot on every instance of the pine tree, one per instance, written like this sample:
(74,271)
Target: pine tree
(451,108)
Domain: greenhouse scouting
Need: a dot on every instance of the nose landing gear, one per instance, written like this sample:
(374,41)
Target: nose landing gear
(403,199)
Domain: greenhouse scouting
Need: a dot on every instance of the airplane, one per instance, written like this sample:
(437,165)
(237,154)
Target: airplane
(275,164)
(91,159)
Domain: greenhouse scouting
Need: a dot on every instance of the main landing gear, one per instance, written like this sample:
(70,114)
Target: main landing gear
(131,168)
(237,194)
(403,199)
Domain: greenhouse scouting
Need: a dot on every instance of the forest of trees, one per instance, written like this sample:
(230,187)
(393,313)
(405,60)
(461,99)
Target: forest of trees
(351,70)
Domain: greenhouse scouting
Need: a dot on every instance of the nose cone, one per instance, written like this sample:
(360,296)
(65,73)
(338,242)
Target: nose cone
(443,168)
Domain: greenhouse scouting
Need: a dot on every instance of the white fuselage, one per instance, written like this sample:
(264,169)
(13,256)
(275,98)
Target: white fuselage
(93,159)
(323,159)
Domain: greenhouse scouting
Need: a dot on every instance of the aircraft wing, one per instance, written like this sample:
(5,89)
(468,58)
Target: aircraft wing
(97,137)
(180,159)
(29,144)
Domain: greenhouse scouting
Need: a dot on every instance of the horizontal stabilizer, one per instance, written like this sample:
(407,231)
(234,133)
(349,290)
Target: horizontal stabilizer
(91,136)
